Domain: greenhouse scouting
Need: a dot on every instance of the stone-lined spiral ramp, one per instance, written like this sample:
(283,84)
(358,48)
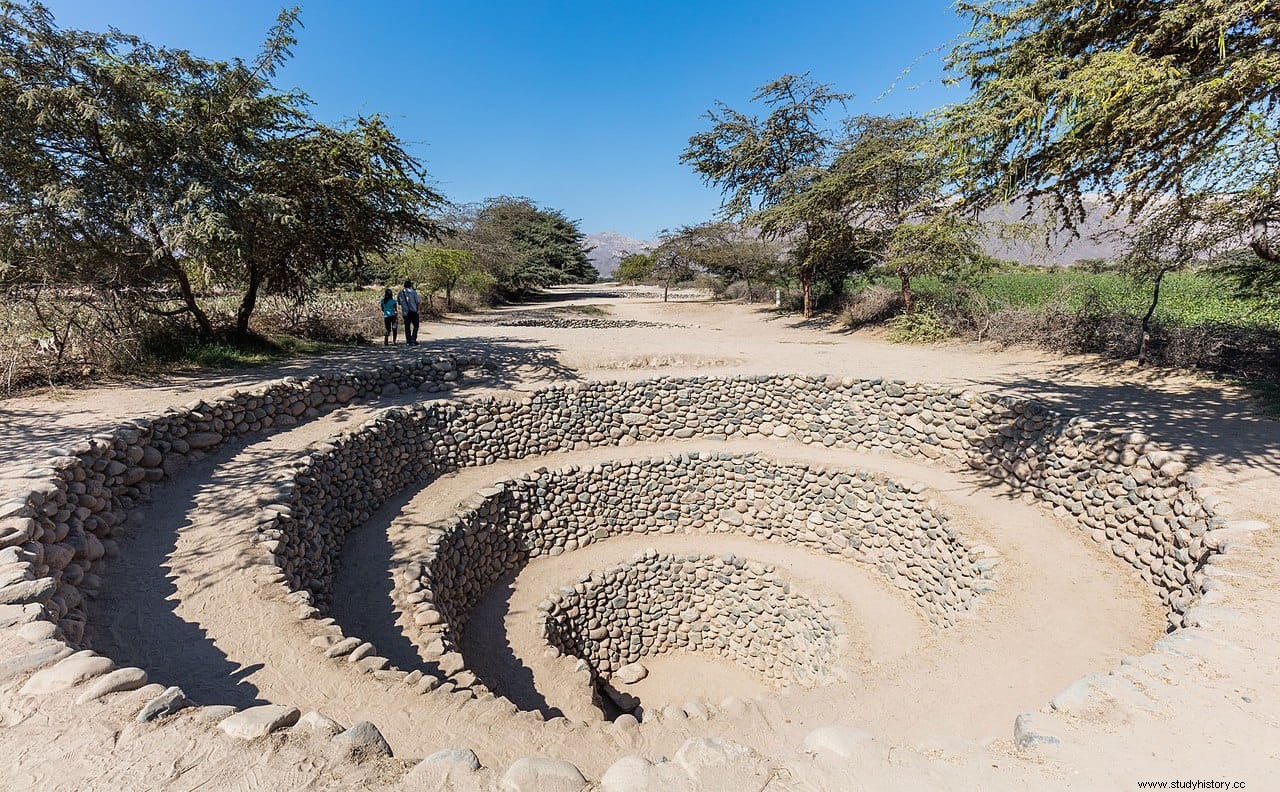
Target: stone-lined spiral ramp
(421,705)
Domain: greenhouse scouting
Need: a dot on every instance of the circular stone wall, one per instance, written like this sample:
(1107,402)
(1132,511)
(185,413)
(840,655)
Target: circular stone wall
(59,529)
(659,603)
(855,515)
(1131,496)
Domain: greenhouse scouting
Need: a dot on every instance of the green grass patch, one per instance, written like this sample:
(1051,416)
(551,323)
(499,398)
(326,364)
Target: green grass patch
(223,354)
(1186,298)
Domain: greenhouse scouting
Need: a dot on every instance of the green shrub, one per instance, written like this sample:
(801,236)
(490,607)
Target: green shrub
(921,327)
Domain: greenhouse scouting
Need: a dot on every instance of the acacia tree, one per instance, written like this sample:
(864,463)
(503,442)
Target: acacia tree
(751,262)
(1129,99)
(442,268)
(891,181)
(822,246)
(106,165)
(727,253)
(544,247)
(319,200)
(674,260)
(885,200)
(759,163)
(126,166)
(634,267)
(943,243)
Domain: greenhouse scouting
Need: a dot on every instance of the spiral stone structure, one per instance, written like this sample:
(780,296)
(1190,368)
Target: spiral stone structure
(659,602)
(626,550)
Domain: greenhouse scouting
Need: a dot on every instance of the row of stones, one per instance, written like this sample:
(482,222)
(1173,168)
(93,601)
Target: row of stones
(1131,495)
(565,323)
(63,519)
(660,602)
(1120,450)
(89,677)
(855,515)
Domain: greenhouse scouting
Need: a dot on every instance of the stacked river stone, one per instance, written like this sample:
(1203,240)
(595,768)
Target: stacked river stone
(63,521)
(658,603)
(855,515)
(1130,495)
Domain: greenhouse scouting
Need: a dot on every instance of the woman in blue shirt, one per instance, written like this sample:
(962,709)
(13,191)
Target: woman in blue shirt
(390,323)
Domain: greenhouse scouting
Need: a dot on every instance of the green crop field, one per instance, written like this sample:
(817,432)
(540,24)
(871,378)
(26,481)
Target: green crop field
(1185,298)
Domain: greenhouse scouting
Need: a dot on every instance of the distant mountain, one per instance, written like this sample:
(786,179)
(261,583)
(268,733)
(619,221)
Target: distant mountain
(1098,236)
(610,247)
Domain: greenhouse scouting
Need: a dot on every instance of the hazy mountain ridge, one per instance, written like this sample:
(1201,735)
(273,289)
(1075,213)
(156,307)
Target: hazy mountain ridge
(609,247)
(1097,237)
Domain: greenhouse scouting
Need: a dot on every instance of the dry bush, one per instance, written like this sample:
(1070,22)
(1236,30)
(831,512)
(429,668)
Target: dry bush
(330,316)
(1225,349)
(759,292)
(51,336)
(921,327)
(872,305)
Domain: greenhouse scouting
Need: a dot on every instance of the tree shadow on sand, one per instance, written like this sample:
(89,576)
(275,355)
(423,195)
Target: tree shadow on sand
(1211,422)
(30,427)
(135,621)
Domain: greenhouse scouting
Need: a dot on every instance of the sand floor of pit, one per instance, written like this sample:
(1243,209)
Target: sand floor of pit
(1217,712)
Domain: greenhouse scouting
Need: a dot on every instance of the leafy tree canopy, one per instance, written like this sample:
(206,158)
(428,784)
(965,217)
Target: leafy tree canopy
(885,200)
(547,246)
(763,163)
(758,162)
(1131,99)
(435,268)
(731,255)
(675,259)
(634,267)
(128,165)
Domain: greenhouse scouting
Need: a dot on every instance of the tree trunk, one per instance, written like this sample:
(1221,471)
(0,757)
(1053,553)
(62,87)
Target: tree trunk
(189,298)
(248,303)
(1260,243)
(806,287)
(448,298)
(666,287)
(184,283)
(908,297)
(1146,320)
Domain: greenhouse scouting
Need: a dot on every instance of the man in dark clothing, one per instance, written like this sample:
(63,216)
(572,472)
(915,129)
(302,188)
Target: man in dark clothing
(409,301)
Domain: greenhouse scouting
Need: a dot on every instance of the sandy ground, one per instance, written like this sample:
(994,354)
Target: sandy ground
(185,602)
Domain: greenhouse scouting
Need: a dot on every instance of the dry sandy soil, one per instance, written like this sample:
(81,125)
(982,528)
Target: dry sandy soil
(184,600)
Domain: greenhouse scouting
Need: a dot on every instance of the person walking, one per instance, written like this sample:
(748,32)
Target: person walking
(408,300)
(390,320)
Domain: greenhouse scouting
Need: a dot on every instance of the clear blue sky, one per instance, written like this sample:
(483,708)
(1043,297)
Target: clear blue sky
(581,106)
